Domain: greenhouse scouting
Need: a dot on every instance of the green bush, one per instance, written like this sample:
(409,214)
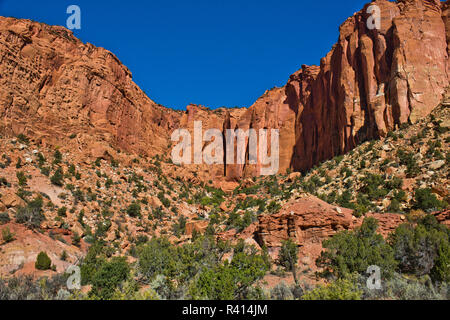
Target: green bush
(43,261)
(58,178)
(62,212)
(407,159)
(230,281)
(108,277)
(7,235)
(423,248)
(4,218)
(31,215)
(348,252)
(426,200)
(57,157)
(374,186)
(21,178)
(134,210)
(341,289)
(288,257)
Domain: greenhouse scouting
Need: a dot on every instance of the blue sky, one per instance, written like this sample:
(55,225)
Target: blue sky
(209,52)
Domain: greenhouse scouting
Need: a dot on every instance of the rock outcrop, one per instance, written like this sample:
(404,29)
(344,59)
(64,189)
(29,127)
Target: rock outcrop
(53,86)
(372,81)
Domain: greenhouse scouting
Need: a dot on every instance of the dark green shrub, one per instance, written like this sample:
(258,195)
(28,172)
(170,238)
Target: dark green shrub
(4,218)
(134,210)
(43,262)
(7,235)
(341,289)
(31,215)
(426,200)
(62,212)
(354,251)
(57,157)
(108,277)
(423,248)
(288,257)
(21,178)
(58,178)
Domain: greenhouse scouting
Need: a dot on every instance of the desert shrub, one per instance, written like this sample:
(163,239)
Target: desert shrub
(58,178)
(230,281)
(43,261)
(31,215)
(394,206)
(21,178)
(288,257)
(354,251)
(179,228)
(57,157)
(407,158)
(45,171)
(4,218)
(344,200)
(426,200)
(346,172)
(134,210)
(76,239)
(341,289)
(94,258)
(400,287)
(163,199)
(281,292)
(7,235)
(239,222)
(374,186)
(23,138)
(108,277)
(423,248)
(41,159)
(176,268)
(273,207)
(25,288)
(156,258)
(71,170)
(394,183)
(62,212)
(158,213)
(64,256)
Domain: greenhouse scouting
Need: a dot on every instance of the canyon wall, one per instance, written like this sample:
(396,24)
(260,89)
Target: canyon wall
(372,81)
(53,87)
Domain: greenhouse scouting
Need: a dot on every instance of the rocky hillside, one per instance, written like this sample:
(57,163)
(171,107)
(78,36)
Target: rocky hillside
(371,82)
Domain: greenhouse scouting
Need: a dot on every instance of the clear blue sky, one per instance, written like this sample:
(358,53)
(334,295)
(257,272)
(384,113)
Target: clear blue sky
(209,52)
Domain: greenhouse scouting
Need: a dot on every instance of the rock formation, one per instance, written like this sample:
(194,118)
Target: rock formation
(372,81)
(53,86)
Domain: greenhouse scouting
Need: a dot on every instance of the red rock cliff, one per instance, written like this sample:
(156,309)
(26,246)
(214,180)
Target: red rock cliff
(372,81)
(52,86)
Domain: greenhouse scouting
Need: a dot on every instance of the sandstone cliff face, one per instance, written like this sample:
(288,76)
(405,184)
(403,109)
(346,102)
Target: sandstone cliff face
(372,81)
(53,86)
